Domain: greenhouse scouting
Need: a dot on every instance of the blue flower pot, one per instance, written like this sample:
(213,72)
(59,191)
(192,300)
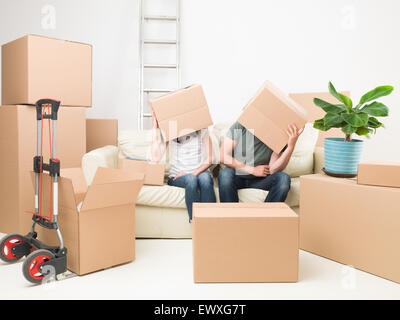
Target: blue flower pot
(342,157)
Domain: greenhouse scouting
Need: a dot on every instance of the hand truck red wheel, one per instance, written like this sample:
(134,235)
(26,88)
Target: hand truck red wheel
(41,259)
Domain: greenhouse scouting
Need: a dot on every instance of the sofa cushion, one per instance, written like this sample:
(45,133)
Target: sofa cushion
(174,197)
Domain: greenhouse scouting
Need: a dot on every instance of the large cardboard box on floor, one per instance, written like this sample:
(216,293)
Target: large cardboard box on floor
(306,100)
(153,172)
(353,224)
(18,134)
(379,173)
(269,113)
(182,112)
(100,133)
(36,67)
(97,222)
(245,242)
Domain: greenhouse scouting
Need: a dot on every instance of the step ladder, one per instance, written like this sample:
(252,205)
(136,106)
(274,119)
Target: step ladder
(145,92)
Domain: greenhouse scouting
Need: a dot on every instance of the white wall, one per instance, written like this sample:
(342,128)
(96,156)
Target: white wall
(232,46)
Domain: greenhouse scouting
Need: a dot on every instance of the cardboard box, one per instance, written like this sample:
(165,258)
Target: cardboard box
(306,100)
(100,133)
(269,113)
(353,224)
(18,144)
(153,172)
(36,67)
(182,112)
(245,242)
(101,234)
(379,173)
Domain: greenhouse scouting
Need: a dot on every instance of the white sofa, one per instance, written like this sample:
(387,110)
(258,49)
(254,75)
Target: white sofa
(161,210)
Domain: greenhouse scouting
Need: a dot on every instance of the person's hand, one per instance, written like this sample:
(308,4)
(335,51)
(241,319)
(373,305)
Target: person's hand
(293,134)
(180,174)
(260,171)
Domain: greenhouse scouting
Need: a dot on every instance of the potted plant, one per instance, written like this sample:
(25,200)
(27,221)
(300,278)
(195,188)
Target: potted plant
(342,155)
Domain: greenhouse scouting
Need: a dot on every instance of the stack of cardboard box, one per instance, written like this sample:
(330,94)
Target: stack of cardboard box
(354,221)
(33,68)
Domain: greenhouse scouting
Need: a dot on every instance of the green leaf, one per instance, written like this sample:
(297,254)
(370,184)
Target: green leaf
(363,131)
(376,109)
(375,94)
(374,123)
(329,107)
(341,97)
(320,125)
(348,129)
(332,119)
(356,119)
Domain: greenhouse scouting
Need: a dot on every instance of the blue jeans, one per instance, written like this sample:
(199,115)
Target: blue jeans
(278,185)
(197,189)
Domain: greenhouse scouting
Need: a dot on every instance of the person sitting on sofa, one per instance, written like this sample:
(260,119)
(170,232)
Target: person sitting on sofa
(190,158)
(252,164)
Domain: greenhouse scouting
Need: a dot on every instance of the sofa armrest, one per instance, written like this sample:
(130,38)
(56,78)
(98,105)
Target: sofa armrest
(318,159)
(106,157)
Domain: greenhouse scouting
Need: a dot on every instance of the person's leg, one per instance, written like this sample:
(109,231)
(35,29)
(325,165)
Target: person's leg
(278,185)
(206,187)
(228,184)
(189,182)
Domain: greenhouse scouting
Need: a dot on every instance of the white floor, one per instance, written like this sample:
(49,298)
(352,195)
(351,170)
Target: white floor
(163,270)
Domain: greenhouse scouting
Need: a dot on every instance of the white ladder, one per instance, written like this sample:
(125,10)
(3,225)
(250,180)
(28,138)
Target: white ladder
(145,92)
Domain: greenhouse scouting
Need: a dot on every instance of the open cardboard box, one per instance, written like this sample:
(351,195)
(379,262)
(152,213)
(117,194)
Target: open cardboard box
(97,222)
(182,112)
(153,172)
(268,115)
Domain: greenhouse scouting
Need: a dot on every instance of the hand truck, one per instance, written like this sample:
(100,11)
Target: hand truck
(41,260)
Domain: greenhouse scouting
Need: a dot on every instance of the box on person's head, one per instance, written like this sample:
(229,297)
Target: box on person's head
(268,115)
(182,112)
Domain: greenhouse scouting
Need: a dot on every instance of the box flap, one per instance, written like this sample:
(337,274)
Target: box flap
(66,195)
(112,187)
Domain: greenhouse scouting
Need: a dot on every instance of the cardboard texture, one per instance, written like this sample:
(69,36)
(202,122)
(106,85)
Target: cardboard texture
(245,242)
(153,172)
(182,112)
(100,133)
(306,100)
(379,173)
(352,224)
(101,234)
(36,67)
(18,144)
(269,113)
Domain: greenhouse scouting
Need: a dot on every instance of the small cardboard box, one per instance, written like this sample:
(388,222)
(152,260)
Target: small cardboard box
(306,100)
(36,67)
(97,222)
(269,113)
(153,172)
(100,133)
(182,112)
(245,242)
(353,224)
(18,128)
(379,173)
